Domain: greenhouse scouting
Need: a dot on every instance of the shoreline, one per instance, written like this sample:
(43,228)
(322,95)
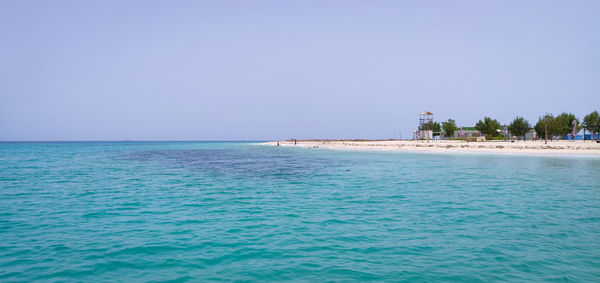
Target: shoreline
(537,148)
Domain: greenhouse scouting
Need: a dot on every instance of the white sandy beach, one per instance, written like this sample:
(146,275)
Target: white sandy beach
(580,148)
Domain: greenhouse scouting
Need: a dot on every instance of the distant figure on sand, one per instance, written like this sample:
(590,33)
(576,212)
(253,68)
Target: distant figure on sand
(277,143)
(294,141)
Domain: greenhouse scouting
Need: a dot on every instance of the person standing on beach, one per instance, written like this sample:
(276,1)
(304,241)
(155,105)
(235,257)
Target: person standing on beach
(295,141)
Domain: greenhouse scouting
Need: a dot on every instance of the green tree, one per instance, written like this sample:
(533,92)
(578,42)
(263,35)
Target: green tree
(489,127)
(449,127)
(547,121)
(539,128)
(591,122)
(564,124)
(519,127)
(437,128)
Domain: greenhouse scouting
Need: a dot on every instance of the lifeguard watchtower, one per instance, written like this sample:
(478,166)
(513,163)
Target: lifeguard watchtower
(425,120)
(425,125)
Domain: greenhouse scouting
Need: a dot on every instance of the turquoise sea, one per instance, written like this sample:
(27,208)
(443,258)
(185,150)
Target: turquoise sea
(234,211)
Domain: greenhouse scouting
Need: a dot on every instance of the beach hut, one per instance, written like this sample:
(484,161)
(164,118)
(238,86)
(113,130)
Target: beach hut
(531,135)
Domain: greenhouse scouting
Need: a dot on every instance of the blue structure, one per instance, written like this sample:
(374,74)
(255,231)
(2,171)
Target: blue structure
(580,137)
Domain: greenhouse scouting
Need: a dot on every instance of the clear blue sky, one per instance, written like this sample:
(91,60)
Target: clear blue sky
(256,70)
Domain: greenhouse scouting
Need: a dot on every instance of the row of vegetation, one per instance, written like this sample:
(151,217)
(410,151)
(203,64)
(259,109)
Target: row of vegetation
(548,126)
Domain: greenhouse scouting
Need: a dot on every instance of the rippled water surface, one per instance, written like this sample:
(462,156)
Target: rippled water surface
(242,211)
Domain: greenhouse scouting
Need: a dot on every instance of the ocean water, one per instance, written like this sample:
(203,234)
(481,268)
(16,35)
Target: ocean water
(208,211)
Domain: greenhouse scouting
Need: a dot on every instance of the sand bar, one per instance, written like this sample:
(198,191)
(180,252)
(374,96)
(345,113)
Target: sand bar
(575,148)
